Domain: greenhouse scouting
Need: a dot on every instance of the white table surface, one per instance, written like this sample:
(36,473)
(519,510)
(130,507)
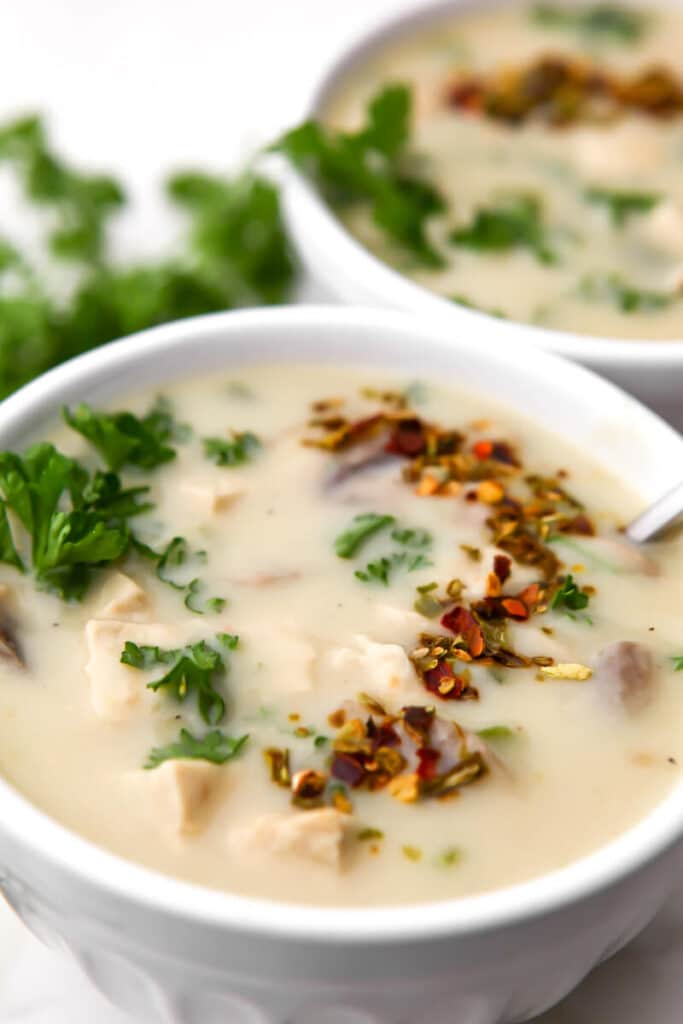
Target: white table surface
(139,87)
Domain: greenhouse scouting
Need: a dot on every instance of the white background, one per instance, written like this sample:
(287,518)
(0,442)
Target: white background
(142,86)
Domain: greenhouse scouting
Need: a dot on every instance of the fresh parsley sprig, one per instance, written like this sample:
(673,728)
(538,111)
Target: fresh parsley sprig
(76,522)
(373,166)
(514,223)
(570,599)
(124,439)
(363,527)
(175,566)
(195,670)
(235,451)
(215,747)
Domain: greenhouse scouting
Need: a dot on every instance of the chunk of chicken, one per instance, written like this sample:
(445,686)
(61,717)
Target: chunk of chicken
(315,836)
(117,691)
(124,599)
(180,793)
(201,498)
(624,674)
(663,228)
(382,670)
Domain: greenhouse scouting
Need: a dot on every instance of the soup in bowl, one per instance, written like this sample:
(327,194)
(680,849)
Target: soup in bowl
(300,649)
(516,160)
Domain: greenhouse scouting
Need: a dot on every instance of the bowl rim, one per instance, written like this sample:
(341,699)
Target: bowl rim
(310,215)
(121,879)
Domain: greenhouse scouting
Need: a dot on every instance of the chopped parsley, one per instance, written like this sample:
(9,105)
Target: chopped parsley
(601,21)
(241,448)
(412,538)
(496,732)
(173,566)
(626,297)
(569,598)
(515,223)
(678,662)
(124,439)
(372,166)
(76,522)
(235,253)
(215,747)
(364,526)
(194,669)
(622,205)
(381,569)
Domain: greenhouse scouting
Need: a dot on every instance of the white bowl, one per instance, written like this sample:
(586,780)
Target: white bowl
(651,370)
(175,953)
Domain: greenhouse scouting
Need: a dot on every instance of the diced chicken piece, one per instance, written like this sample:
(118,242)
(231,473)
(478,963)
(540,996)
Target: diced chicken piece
(203,498)
(180,793)
(383,671)
(124,599)
(663,228)
(117,690)
(316,836)
(625,675)
(397,624)
(619,154)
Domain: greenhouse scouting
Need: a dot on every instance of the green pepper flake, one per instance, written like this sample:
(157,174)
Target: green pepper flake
(366,834)
(449,857)
(472,553)
(413,853)
(496,732)
(320,741)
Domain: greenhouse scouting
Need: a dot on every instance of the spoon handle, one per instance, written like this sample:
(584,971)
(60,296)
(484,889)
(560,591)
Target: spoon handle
(657,517)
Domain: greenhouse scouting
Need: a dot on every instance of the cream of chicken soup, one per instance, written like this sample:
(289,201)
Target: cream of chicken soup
(326,636)
(523,160)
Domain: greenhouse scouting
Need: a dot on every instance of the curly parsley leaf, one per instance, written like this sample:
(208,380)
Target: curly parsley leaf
(236,451)
(412,538)
(678,662)
(622,205)
(380,571)
(363,527)
(8,551)
(515,223)
(76,522)
(195,603)
(175,566)
(215,747)
(372,166)
(122,438)
(601,21)
(195,670)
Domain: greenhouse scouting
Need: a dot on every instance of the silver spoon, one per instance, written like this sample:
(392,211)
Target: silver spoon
(655,519)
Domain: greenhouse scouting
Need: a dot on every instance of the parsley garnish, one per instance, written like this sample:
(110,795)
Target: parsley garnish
(239,449)
(215,747)
(193,670)
(514,223)
(235,253)
(380,570)
(599,21)
(370,166)
(122,438)
(678,662)
(364,526)
(622,205)
(569,599)
(412,538)
(76,522)
(171,568)
(496,732)
(626,297)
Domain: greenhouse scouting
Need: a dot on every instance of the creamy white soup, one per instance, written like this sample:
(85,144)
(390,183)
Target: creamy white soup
(553,138)
(368,640)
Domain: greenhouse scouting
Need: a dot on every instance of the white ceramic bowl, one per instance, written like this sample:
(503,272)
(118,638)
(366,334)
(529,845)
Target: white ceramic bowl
(652,370)
(174,953)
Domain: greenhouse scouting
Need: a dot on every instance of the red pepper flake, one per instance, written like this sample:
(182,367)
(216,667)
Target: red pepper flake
(580,525)
(428,760)
(444,682)
(515,608)
(408,438)
(461,622)
(348,769)
(502,566)
(497,451)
